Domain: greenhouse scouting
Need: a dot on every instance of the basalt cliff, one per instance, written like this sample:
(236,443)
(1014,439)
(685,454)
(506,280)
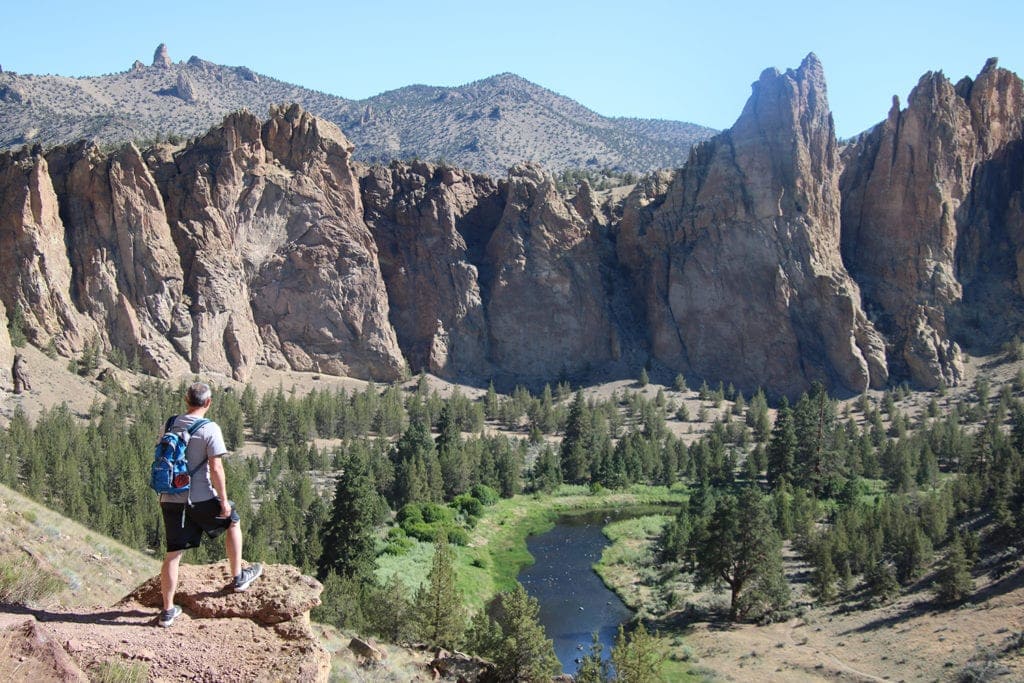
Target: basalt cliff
(774,257)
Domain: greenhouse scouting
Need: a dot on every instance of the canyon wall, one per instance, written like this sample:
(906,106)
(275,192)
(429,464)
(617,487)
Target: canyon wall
(775,257)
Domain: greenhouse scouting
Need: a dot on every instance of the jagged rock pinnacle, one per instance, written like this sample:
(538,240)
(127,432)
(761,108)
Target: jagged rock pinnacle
(160,58)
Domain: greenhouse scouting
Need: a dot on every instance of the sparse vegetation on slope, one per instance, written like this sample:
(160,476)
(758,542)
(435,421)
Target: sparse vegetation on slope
(486,126)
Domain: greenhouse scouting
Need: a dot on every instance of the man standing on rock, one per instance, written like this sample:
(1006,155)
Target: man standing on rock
(204,507)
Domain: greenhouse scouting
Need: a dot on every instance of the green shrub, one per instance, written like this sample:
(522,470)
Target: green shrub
(434,513)
(458,536)
(485,494)
(468,505)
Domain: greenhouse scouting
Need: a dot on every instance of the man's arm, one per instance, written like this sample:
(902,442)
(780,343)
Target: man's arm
(220,484)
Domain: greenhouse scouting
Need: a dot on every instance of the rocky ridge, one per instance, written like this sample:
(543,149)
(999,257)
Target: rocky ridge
(772,258)
(486,126)
(931,218)
(263,634)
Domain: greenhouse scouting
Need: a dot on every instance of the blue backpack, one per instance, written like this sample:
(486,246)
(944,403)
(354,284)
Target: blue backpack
(170,472)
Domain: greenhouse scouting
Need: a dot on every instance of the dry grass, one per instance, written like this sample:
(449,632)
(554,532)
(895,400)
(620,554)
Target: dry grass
(93,570)
(22,582)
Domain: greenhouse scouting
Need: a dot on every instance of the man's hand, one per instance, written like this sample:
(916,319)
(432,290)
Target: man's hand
(225,510)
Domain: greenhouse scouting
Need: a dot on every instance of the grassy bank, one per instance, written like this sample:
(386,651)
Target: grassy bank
(497,547)
(627,565)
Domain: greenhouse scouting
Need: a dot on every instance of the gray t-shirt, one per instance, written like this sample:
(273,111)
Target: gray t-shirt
(207,442)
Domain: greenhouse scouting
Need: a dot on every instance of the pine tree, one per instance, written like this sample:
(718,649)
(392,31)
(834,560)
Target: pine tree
(340,603)
(574,457)
(525,653)
(387,610)
(454,474)
(741,548)
(547,473)
(637,657)
(417,470)
(823,578)
(782,447)
(438,607)
(593,668)
(953,582)
(679,384)
(348,541)
(491,406)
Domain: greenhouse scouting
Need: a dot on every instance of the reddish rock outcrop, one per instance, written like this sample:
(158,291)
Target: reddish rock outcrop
(126,268)
(547,307)
(262,242)
(282,594)
(160,57)
(277,258)
(737,254)
(916,213)
(35,274)
(431,225)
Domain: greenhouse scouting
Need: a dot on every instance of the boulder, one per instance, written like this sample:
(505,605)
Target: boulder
(31,653)
(281,594)
(366,649)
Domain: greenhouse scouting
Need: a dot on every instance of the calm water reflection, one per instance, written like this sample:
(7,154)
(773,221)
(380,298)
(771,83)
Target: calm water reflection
(574,603)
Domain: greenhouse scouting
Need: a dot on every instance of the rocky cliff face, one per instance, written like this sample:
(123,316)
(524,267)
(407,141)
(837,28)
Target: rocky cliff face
(767,260)
(431,225)
(916,212)
(489,279)
(126,271)
(737,254)
(248,245)
(35,275)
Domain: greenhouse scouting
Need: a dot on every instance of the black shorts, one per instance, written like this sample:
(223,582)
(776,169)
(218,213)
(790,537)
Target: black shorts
(185,524)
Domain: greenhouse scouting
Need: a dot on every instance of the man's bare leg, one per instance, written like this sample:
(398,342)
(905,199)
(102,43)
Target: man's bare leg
(233,548)
(169,577)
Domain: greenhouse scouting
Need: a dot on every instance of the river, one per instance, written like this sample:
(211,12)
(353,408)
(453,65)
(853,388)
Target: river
(574,603)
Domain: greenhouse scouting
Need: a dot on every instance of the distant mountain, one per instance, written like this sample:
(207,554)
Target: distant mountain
(486,126)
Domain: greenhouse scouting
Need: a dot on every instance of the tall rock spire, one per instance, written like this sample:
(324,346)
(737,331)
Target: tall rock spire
(739,265)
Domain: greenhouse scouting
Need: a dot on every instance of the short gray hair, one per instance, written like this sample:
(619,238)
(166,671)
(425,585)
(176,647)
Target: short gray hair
(198,394)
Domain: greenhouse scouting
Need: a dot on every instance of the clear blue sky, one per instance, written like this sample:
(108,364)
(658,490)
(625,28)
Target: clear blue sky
(691,61)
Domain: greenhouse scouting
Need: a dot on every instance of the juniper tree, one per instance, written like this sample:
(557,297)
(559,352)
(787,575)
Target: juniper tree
(740,548)
(525,652)
(953,582)
(637,657)
(438,607)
